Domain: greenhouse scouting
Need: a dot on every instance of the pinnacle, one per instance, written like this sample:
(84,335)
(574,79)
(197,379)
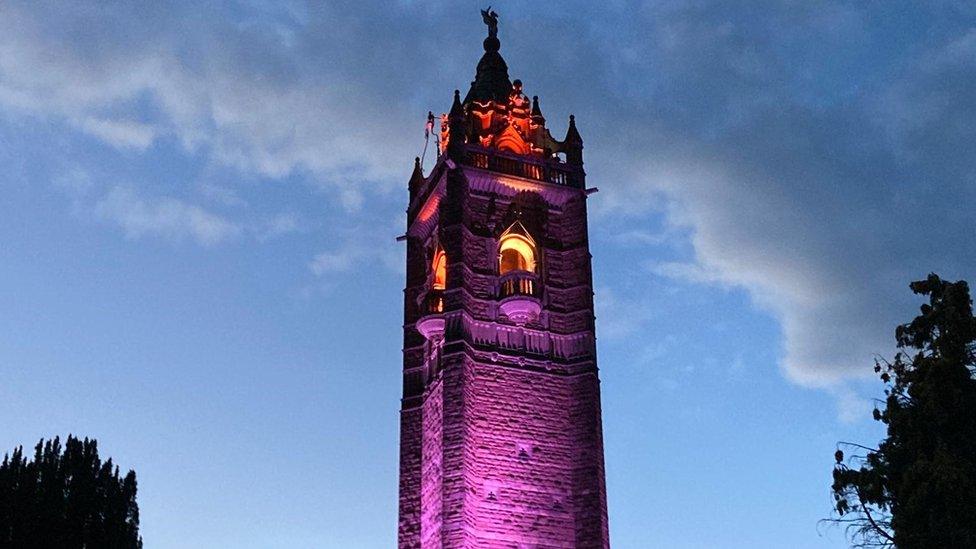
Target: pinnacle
(457,109)
(491,81)
(572,134)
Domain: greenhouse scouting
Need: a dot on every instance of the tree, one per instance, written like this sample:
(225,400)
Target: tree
(917,489)
(67,499)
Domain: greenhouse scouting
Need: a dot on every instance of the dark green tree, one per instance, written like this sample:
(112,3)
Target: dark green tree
(917,489)
(67,499)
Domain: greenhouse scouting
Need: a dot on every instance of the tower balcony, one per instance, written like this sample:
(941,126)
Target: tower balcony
(539,169)
(519,294)
(431,324)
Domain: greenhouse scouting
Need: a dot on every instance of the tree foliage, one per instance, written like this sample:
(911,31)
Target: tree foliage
(917,489)
(67,499)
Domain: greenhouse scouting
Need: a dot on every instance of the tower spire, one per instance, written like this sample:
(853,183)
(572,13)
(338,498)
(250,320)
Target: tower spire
(537,112)
(455,121)
(573,144)
(491,82)
(457,109)
(572,134)
(416,178)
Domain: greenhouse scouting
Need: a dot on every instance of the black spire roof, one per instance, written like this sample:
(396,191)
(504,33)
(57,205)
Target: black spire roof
(491,81)
(572,134)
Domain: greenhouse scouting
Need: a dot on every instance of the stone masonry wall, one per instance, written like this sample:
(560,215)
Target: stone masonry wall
(503,448)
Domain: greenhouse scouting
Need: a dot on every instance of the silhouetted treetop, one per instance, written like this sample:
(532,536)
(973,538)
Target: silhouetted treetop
(67,498)
(917,489)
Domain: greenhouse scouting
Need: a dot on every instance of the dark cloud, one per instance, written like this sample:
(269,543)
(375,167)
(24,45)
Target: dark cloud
(810,172)
(819,154)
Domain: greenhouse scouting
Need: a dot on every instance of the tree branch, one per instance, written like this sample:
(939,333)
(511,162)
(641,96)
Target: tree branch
(875,450)
(877,528)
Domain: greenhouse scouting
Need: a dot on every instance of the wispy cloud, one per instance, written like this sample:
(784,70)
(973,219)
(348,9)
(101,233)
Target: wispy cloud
(166,217)
(686,272)
(356,254)
(619,315)
(280,225)
(120,133)
(851,407)
(275,96)
(336,261)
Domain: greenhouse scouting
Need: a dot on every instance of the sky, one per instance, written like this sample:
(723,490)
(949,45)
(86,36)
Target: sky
(199,201)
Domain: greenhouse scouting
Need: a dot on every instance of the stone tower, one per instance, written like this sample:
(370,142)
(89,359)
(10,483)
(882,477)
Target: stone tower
(500,431)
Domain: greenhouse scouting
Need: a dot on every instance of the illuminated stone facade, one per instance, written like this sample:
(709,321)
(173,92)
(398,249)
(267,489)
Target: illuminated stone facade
(500,436)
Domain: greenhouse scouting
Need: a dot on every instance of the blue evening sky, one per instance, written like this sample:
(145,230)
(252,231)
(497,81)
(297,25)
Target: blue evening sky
(198,266)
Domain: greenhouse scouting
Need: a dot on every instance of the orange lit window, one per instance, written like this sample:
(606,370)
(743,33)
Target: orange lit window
(516,253)
(439,268)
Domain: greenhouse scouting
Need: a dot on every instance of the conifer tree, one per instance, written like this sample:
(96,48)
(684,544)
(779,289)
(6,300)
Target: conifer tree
(67,498)
(917,489)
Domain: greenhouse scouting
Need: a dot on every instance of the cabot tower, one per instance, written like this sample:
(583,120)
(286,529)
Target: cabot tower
(500,431)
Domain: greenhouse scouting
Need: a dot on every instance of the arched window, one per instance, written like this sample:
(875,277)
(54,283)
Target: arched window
(516,251)
(439,268)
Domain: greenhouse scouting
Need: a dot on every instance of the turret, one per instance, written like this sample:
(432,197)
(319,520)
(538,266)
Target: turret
(537,117)
(573,144)
(456,124)
(416,178)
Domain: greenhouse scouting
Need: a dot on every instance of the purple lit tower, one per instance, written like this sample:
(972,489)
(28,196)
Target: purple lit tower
(500,433)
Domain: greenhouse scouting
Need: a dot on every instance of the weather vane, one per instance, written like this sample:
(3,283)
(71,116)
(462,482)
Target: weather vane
(491,19)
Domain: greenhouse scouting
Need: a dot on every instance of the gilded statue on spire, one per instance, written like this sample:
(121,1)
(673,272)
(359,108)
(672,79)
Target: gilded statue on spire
(491,19)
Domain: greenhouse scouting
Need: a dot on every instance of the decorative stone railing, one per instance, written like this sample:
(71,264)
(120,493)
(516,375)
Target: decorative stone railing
(434,302)
(519,293)
(518,283)
(548,171)
(431,324)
